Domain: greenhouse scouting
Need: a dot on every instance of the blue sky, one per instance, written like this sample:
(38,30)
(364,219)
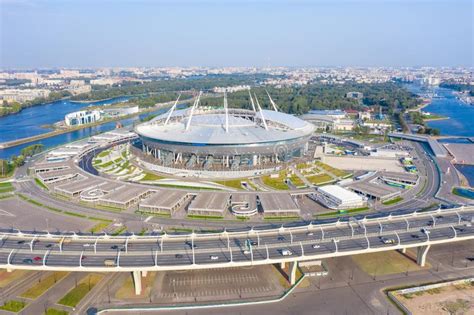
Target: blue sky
(102,33)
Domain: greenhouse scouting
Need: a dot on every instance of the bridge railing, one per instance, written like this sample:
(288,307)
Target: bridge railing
(230,234)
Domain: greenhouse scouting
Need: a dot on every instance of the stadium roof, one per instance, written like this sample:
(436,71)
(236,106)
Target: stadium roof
(209,128)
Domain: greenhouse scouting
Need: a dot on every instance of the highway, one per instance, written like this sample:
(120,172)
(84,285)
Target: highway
(21,250)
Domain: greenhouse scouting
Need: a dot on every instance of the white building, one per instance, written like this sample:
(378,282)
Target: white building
(17,95)
(82,117)
(338,198)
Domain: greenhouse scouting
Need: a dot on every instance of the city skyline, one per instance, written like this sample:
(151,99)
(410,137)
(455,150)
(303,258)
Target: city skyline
(52,34)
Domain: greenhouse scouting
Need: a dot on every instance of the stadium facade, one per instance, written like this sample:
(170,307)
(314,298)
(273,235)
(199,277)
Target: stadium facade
(203,138)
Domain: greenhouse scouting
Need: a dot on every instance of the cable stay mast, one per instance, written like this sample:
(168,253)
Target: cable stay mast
(261,112)
(172,110)
(251,101)
(271,101)
(195,105)
(226,112)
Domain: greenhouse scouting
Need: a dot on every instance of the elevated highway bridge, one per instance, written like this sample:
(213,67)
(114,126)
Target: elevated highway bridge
(313,241)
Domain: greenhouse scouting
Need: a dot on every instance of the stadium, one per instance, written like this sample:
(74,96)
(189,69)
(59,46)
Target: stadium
(223,139)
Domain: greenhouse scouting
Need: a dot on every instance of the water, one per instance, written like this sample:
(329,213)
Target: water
(468,172)
(461,115)
(467,193)
(28,122)
(55,141)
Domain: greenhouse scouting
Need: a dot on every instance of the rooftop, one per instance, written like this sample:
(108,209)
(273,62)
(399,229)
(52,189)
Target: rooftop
(340,193)
(209,128)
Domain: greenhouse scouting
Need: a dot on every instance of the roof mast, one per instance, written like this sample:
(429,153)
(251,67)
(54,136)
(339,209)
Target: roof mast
(172,110)
(271,101)
(226,112)
(261,112)
(251,101)
(195,105)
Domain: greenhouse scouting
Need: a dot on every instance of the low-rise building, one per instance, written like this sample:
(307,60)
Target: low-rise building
(82,117)
(338,198)
(164,201)
(278,205)
(209,204)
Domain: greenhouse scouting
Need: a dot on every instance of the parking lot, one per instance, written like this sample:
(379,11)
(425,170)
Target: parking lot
(16,213)
(218,284)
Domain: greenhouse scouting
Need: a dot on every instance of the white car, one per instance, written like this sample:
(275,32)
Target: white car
(286,252)
(316,246)
(310,233)
(246,252)
(214,257)
(423,230)
(387,240)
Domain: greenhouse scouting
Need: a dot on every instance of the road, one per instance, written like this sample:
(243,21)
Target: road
(173,252)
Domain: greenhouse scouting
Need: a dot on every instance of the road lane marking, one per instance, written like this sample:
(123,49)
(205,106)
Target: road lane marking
(6,213)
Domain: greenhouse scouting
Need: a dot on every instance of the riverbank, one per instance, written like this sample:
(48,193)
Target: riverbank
(46,135)
(436,118)
(95,101)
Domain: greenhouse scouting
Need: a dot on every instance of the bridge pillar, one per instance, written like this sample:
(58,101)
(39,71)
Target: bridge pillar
(144,274)
(292,275)
(9,270)
(421,254)
(282,265)
(137,282)
(403,250)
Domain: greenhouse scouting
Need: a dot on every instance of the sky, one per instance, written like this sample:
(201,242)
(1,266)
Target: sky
(298,33)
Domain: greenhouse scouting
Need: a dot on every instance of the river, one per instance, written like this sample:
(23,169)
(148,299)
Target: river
(29,121)
(460,120)
(446,104)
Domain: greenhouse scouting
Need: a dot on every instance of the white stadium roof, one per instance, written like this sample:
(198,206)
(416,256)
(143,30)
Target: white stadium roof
(208,127)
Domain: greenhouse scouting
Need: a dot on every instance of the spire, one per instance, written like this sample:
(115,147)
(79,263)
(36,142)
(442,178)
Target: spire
(271,101)
(195,105)
(251,101)
(172,110)
(261,112)
(226,112)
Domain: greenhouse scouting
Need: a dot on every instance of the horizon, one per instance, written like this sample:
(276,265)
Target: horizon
(49,34)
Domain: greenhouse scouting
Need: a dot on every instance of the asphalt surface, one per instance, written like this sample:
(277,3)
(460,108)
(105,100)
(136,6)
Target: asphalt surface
(183,251)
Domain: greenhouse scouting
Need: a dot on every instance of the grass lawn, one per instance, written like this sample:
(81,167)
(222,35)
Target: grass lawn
(151,176)
(301,166)
(99,227)
(295,180)
(281,218)
(276,183)
(6,187)
(74,214)
(108,208)
(13,306)
(39,288)
(342,212)
(233,183)
(386,263)
(127,290)
(73,297)
(392,201)
(105,164)
(8,277)
(103,153)
(319,179)
(40,183)
(119,231)
(204,217)
(54,311)
(330,169)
